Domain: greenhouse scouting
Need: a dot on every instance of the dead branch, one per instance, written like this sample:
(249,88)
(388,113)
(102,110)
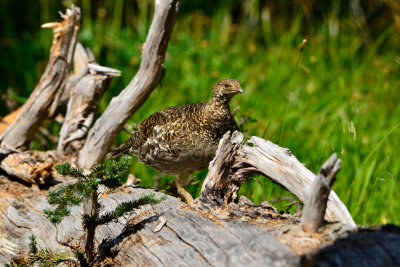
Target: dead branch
(44,98)
(83,102)
(282,167)
(81,61)
(318,193)
(151,72)
(259,156)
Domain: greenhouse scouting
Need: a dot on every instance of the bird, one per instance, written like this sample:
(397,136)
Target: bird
(182,139)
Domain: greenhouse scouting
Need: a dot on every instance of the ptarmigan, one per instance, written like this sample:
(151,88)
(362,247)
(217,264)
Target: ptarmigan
(180,140)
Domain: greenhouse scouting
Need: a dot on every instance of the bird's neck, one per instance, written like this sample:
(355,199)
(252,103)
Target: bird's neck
(219,103)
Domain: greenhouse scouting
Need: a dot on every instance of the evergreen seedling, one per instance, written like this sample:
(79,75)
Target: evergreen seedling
(111,174)
(39,257)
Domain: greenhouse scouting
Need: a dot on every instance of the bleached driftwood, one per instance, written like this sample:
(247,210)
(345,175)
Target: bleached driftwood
(151,72)
(234,162)
(318,193)
(46,94)
(283,168)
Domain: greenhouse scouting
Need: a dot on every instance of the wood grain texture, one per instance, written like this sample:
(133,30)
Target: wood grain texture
(150,73)
(33,167)
(253,237)
(219,186)
(44,98)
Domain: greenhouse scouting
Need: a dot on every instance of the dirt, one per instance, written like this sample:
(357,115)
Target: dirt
(19,188)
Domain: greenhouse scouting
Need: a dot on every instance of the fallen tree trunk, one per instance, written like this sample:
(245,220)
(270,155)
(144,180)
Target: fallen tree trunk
(184,236)
(172,234)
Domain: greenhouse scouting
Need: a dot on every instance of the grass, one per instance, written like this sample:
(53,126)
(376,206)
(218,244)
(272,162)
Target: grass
(337,95)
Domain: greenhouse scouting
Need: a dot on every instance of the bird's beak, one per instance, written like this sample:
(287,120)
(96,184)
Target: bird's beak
(241,91)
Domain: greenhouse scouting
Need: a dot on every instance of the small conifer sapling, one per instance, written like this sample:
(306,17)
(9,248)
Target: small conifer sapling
(111,174)
(39,257)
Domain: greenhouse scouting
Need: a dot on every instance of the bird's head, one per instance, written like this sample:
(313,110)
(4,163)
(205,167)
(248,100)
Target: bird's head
(225,89)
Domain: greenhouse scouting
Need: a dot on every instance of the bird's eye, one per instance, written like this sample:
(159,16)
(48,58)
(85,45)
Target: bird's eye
(226,85)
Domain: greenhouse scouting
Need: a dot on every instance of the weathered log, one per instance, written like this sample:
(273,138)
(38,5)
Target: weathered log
(172,234)
(84,98)
(260,156)
(184,236)
(318,193)
(150,74)
(44,98)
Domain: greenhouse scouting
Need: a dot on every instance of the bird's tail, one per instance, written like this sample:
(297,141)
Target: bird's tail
(129,147)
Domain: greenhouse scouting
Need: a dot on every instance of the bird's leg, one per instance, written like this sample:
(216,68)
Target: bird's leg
(182,191)
(181,183)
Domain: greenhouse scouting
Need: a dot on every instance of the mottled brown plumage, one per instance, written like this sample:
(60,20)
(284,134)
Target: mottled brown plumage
(180,140)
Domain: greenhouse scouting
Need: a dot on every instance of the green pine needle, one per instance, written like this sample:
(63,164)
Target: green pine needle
(32,244)
(66,169)
(116,172)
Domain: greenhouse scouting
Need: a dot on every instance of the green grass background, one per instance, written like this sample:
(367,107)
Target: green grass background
(339,94)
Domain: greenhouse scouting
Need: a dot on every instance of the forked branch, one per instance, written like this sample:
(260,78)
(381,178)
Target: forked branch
(234,162)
